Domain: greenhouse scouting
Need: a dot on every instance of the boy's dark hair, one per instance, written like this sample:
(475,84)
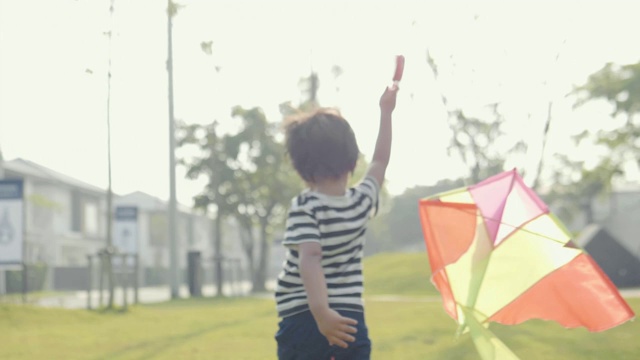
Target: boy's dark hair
(321,145)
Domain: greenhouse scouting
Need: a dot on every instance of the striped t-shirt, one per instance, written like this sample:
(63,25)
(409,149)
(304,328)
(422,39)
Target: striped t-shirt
(338,223)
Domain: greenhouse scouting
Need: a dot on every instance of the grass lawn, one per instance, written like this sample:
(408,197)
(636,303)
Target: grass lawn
(411,327)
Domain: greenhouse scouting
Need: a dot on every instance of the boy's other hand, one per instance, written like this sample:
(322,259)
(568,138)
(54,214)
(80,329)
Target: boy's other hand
(336,328)
(388,99)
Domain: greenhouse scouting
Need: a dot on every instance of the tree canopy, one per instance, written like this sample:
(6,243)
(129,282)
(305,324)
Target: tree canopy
(249,179)
(620,86)
(577,185)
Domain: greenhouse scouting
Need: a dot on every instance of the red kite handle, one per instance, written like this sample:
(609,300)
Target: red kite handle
(397,76)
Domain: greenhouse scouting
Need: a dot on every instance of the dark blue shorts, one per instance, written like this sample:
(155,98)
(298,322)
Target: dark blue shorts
(298,338)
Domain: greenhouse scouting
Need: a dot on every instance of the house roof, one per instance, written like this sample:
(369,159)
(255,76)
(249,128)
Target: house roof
(142,200)
(148,203)
(622,226)
(587,234)
(30,169)
(625,227)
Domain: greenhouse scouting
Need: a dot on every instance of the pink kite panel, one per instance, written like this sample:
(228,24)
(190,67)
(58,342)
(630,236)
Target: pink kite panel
(522,206)
(490,196)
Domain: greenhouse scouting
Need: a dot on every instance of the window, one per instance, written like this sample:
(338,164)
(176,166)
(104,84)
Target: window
(76,211)
(85,214)
(158,229)
(91,218)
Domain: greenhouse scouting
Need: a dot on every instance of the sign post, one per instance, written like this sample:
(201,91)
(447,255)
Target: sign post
(125,240)
(125,232)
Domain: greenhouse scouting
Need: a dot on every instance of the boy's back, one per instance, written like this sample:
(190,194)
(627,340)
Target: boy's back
(340,221)
(319,290)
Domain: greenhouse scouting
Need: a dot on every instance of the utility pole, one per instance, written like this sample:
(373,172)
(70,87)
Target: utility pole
(108,251)
(173,251)
(1,165)
(3,286)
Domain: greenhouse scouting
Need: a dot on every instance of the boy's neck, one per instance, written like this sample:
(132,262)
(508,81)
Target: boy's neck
(332,187)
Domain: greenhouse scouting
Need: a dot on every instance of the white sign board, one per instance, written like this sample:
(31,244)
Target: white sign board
(125,229)
(11,222)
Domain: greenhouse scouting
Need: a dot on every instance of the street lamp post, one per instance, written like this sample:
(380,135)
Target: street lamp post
(3,289)
(173,256)
(108,250)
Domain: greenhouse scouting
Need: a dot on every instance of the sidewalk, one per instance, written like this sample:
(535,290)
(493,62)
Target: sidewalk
(150,295)
(146,295)
(630,293)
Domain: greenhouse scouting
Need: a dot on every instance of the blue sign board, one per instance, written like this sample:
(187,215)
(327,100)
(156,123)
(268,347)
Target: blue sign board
(126,213)
(125,229)
(11,189)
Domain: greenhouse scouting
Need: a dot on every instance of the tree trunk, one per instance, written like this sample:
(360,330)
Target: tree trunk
(588,210)
(246,238)
(217,256)
(545,137)
(246,235)
(260,274)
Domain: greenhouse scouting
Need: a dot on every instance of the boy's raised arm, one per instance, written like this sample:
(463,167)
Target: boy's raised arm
(382,152)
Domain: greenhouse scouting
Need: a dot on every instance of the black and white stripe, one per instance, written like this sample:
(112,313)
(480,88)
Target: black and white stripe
(339,225)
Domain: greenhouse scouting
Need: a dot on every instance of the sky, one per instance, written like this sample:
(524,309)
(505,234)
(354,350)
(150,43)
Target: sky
(524,54)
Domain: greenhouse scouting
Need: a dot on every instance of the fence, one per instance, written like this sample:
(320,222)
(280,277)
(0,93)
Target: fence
(125,271)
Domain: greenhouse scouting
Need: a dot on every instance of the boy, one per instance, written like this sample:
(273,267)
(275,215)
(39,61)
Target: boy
(319,290)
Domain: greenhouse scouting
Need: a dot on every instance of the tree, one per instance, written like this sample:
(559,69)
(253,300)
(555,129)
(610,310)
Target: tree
(211,162)
(475,140)
(479,141)
(249,179)
(620,86)
(403,217)
(578,186)
(263,186)
(309,86)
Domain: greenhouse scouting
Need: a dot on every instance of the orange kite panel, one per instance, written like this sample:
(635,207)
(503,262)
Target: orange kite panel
(577,294)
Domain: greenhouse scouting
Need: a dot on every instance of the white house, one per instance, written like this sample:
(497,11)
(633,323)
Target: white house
(194,234)
(64,217)
(65,221)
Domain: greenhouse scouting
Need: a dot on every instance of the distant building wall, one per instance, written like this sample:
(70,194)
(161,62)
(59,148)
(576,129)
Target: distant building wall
(604,208)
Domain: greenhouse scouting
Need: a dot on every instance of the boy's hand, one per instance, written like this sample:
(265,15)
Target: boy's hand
(388,99)
(336,328)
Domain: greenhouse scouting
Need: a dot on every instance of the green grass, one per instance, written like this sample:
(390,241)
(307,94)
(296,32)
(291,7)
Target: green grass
(412,327)
(398,274)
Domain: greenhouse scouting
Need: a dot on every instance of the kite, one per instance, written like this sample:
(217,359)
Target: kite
(497,254)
